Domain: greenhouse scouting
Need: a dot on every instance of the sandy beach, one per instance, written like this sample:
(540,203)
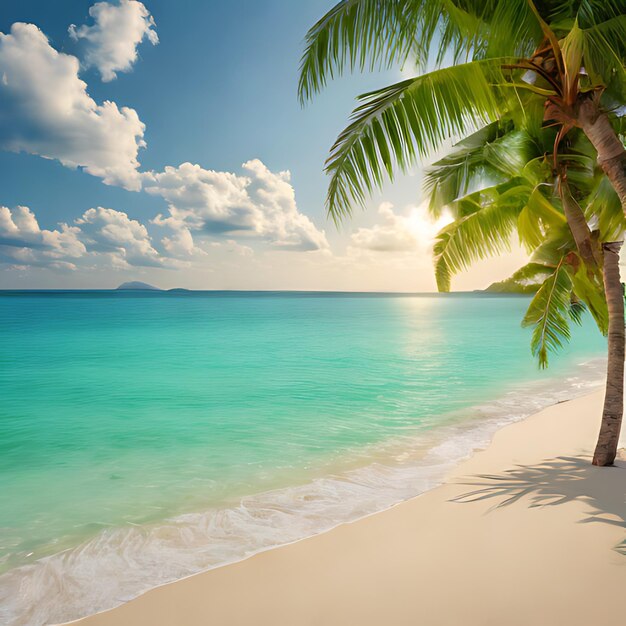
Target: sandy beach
(524,532)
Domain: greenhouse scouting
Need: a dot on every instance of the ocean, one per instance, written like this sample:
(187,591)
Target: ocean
(146,436)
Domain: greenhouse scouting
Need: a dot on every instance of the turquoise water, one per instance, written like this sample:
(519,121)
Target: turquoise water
(121,410)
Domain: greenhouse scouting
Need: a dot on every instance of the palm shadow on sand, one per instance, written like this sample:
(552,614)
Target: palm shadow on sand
(555,482)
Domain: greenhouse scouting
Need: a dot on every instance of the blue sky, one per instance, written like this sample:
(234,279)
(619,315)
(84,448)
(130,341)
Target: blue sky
(218,90)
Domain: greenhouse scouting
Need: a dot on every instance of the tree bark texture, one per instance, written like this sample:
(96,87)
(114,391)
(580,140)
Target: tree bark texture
(606,448)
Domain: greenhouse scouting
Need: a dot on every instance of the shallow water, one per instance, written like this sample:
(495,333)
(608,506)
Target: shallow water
(148,436)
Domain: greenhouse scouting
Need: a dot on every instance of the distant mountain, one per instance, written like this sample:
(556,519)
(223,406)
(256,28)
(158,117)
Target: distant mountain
(137,286)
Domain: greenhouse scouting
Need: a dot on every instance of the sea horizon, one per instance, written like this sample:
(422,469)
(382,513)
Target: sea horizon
(182,290)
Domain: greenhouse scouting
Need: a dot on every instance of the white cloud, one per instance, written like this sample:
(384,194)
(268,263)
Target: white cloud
(47,111)
(212,215)
(23,242)
(281,222)
(125,241)
(111,43)
(100,237)
(180,242)
(260,204)
(398,233)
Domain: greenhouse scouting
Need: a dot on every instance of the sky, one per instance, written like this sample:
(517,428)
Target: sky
(164,142)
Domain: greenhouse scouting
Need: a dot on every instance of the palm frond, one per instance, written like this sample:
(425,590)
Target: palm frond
(491,28)
(360,34)
(548,314)
(529,228)
(493,154)
(572,48)
(537,217)
(604,54)
(604,210)
(588,287)
(513,30)
(475,234)
(396,125)
(557,243)
(369,34)
(451,177)
(592,12)
(577,309)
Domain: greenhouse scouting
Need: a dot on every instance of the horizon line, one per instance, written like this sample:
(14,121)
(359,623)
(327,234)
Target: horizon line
(268,291)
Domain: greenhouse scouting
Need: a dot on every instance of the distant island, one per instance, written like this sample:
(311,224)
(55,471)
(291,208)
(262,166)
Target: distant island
(135,285)
(510,285)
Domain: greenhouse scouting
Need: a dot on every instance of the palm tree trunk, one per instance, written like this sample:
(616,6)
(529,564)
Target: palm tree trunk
(613,409)
(606,448)
(611,154)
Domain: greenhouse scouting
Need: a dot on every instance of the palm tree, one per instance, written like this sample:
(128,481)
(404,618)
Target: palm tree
(560,62)
(567,260)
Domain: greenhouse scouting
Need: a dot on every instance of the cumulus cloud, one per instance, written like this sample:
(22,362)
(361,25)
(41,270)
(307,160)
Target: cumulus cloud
(125,241)
(23,242)
(258,204)
(398,233)
(47,111)
(111,43)
(102,236)
(210,213)
(179,242)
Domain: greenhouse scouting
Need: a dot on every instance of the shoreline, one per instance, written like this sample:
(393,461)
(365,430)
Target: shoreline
(284,567)
(121,564)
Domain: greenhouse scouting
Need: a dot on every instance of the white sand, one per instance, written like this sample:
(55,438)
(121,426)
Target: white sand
(534,545)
